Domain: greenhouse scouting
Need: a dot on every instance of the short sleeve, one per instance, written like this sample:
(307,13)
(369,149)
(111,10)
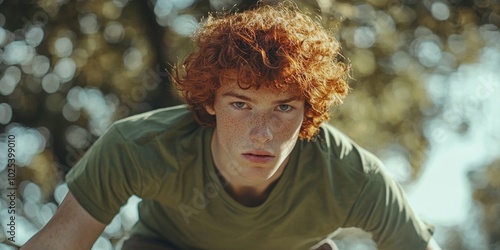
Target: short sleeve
(105,177)
(381,208)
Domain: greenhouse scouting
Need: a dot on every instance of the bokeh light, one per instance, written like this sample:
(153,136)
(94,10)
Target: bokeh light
(114,32)
(29,139)
(88,23)
(184,25)
(63,47)
(364,37)
(65,69)
(440,10)
(34,36)
(5,113)
(16,52)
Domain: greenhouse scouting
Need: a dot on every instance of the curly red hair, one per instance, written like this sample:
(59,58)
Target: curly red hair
(271,46)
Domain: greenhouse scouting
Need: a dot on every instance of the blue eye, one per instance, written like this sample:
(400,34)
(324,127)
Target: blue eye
(240,105)
(284,107)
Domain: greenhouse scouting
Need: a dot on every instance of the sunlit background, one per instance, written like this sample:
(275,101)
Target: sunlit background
(425,98)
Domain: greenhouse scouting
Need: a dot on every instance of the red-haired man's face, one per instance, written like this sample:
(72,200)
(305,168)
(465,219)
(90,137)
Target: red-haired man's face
(255,131)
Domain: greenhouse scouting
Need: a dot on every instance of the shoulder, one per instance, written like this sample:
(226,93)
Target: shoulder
(150,139)
(136,150)
(345,153)
(345,167)
(346,170)
(166,123)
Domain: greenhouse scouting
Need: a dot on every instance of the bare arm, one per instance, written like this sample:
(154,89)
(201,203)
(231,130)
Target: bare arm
(70,228)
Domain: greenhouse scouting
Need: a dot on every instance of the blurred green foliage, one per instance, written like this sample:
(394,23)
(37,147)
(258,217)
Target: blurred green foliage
(71,68)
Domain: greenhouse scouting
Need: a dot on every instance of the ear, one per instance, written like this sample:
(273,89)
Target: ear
(210,109)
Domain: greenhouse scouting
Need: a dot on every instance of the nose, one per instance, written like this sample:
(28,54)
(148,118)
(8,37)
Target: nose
(261,131)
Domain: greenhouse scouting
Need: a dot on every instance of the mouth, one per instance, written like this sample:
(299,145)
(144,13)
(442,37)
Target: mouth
(258,156)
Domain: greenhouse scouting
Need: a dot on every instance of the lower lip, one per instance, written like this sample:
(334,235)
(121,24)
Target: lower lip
(258,158)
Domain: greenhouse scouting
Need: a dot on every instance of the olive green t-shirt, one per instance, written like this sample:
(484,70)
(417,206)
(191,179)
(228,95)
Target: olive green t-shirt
(164,157)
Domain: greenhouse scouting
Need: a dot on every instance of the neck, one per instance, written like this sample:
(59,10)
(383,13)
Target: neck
(245,192)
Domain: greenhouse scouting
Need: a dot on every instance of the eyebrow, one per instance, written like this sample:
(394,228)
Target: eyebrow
(248,99)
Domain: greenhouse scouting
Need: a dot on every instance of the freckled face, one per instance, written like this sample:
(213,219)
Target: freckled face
(255,131)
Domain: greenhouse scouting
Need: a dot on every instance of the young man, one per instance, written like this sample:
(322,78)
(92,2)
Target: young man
(249,163)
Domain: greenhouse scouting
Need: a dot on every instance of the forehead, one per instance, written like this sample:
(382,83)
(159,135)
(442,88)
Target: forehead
(231,88)
(229,81)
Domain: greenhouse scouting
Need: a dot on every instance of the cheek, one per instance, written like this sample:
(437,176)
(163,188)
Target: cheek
(292,124)
(230,125)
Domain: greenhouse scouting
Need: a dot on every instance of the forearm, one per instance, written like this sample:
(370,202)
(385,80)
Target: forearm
(42,242)
(71,227)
